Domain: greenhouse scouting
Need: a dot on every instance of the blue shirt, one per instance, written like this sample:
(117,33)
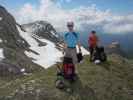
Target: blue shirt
(71,39)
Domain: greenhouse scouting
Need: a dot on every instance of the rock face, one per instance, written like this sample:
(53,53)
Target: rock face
(8,31)
(12,44)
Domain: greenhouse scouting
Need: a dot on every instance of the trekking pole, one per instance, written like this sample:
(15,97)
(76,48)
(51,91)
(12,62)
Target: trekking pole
(58,68)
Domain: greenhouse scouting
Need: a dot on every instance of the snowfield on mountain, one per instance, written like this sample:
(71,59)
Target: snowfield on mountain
(47,55)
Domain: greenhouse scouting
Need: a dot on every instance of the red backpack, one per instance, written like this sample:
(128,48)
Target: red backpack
(68,68)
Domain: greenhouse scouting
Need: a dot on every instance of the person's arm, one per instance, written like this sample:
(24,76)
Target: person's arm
(64,43)
(79,46)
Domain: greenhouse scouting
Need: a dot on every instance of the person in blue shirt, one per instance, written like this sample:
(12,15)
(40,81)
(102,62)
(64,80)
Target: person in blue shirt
(71,39)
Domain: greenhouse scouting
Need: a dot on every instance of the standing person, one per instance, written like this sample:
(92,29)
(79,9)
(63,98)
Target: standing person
(71,39)
(93,42)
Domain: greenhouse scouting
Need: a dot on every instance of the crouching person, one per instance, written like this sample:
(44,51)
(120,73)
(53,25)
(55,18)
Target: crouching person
(97,53)
(93,43)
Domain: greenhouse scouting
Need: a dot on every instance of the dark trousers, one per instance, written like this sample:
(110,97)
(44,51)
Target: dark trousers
(91,49)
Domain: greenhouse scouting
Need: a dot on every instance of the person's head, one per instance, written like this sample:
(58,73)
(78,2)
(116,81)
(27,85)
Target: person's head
(70,26)
(93,32)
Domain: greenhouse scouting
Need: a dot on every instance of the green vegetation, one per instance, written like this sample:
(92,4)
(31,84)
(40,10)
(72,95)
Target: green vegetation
(109,81)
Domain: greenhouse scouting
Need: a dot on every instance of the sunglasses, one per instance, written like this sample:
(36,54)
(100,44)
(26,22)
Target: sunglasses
(69,25)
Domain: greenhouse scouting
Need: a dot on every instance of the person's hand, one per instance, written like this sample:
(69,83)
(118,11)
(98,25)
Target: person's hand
(64,48)
(63,45)
(79,46)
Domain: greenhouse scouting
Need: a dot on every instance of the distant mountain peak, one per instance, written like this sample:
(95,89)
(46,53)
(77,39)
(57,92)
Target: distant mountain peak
(114,44)
(42,29)
(115,48)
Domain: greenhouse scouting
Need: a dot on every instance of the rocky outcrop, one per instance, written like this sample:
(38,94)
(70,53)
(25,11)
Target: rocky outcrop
(12,44)
(8,31)
(7,69)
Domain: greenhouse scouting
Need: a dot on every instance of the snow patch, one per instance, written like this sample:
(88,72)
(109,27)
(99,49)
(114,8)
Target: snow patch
(83,50)
(1,41)
(1,18)
(53,33)
(22,70)
(48,55)
(1,54)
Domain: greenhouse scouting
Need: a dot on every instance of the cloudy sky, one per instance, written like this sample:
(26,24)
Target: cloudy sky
(107,16)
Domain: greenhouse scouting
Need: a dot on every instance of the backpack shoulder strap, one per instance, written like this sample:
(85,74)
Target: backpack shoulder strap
(75,34)
(66,34)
